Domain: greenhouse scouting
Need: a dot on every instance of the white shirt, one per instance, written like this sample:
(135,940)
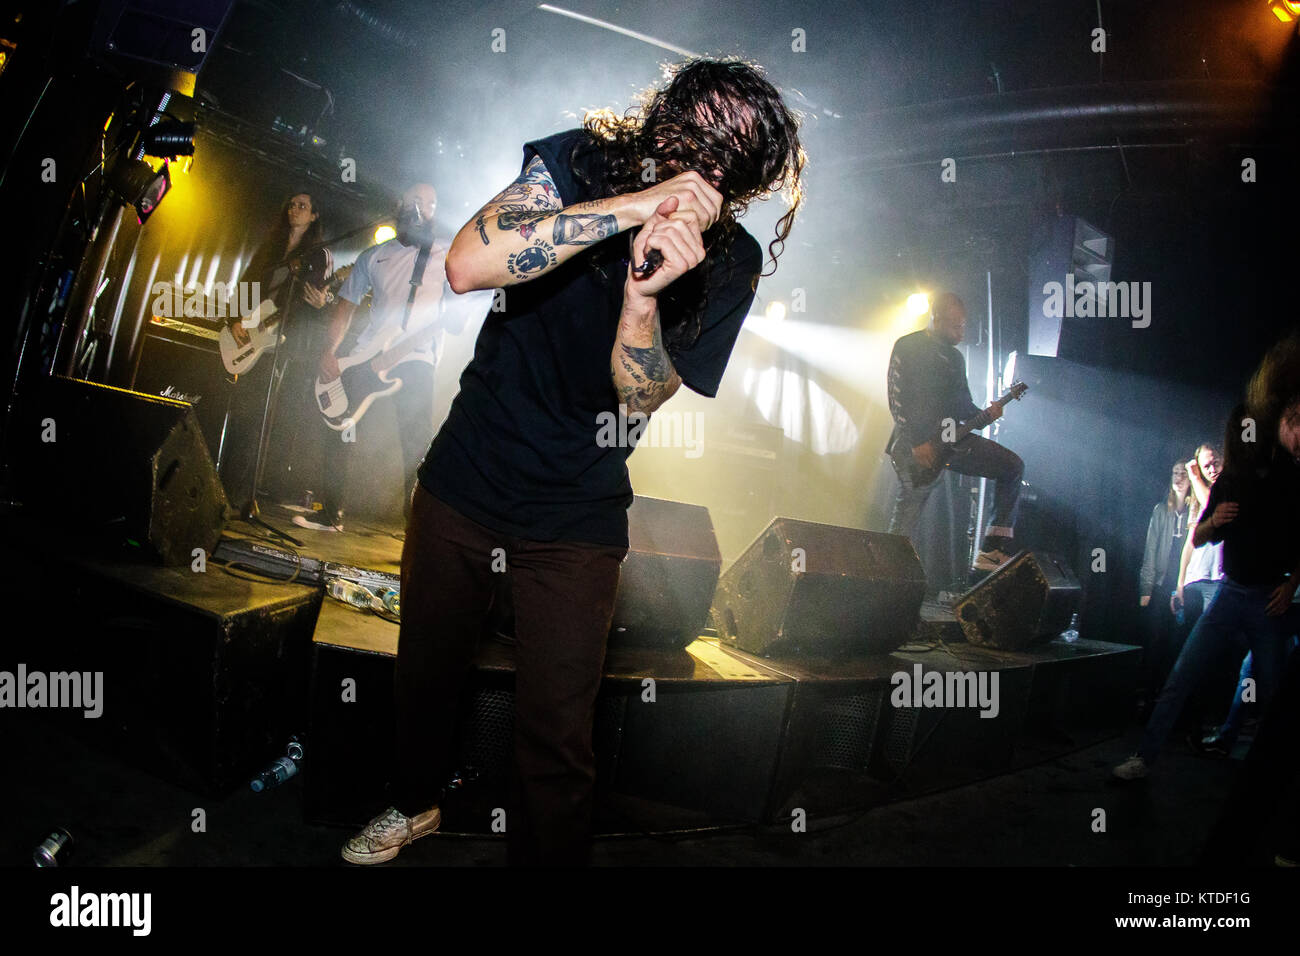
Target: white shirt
(1206,562)
(385,271)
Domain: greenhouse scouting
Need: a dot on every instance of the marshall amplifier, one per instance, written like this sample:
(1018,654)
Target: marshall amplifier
(182,361)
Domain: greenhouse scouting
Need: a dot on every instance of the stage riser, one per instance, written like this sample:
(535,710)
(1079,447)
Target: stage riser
(198,695)
(1074,704)
(924,748)
(734,754)
(711,750)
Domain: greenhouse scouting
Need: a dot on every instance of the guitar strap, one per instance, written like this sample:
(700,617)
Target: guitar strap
(417,279)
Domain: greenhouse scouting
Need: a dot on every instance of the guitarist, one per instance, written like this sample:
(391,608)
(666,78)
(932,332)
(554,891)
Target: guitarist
(927,385)
(386,271)
(288,282)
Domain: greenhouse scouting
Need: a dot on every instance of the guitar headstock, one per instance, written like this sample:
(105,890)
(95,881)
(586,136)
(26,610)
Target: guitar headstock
(1017,390)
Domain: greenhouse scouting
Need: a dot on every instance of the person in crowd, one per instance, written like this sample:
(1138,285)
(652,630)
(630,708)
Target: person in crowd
(1166,534)
(1271,768)
(1253,509)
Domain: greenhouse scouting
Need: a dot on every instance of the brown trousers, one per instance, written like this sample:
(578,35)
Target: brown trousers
(563,595)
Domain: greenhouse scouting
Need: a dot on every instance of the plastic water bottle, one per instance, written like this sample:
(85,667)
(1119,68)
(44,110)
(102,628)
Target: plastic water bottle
(392,601)
(349,592)
(280,771)
(1071,633)
(54,848)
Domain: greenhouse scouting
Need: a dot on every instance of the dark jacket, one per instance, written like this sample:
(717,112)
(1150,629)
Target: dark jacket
(1160,538)
(927,383)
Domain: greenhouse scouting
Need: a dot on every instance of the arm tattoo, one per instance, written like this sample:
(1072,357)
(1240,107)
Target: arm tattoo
(652,372)
(521,218)
(528,262)
(583,229)
(535,174)
(481,226)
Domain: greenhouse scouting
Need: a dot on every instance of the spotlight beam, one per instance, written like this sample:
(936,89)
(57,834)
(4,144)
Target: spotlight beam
(617,29)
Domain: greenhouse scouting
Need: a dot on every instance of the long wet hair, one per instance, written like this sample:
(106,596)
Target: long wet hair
(1274,389)
(713,113)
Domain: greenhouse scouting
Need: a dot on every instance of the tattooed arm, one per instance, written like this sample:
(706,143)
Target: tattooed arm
(525,230)
(643,373)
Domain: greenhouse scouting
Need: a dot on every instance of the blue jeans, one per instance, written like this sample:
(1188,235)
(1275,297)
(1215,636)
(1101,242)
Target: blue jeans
(1197,596)
(1237,712)
(1235,618)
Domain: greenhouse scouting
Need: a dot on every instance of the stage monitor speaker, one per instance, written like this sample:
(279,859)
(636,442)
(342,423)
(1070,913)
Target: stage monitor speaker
(160,41)
(1073,257)
(1026,601)
(116,465)
(669,576)
(811,589)
(666,583)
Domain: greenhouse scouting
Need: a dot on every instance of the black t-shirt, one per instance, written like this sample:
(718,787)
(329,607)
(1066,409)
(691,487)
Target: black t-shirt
(926,384)
(1262,544)
(519,452)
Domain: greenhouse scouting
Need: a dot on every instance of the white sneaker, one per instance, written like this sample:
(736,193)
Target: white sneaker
(316,522)
(991,560)
(1134,768)
(385,835)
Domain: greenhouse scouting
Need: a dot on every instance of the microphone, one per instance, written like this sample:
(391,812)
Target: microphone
(653,260)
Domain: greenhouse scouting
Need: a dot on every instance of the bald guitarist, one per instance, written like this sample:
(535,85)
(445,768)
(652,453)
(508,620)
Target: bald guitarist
(934,425)
(405,278)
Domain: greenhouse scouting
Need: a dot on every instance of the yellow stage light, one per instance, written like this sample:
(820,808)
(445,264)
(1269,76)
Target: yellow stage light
(1285,10)
(384,233)
(775,310)
(918,304)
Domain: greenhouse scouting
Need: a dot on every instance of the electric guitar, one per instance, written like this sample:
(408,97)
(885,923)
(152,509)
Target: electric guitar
(921,476)
(243,340)
(364,376)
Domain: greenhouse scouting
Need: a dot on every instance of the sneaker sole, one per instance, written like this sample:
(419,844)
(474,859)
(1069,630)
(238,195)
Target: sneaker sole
(383,856)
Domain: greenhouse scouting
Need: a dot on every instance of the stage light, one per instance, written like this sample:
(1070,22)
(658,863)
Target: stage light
(775,310)
(139,184)
(384,233)
(1285,10)
(918,304)
(170,138)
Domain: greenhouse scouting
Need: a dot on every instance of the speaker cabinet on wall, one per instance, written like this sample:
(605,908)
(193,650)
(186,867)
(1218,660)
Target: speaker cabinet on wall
(804,588)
